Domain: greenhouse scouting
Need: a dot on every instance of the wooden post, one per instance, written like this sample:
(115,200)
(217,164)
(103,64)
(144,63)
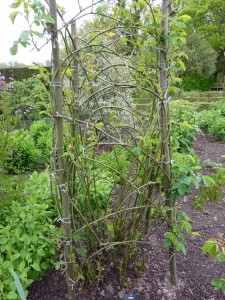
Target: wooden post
(75,65)
(164,118)
(59,149)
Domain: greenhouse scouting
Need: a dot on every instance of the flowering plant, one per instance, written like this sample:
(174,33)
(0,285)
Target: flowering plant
(6,87)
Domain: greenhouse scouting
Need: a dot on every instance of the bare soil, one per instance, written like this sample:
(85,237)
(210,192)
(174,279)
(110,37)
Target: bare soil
(195,270)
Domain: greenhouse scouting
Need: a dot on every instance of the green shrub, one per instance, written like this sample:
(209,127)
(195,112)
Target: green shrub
(22,155)
(213,119)
(212,191)
(27,236)
(11,188)
(216,249)
(27,151)
(41,133)
(30,98)
(196,83)
(115,163)
(183,126)
(185,174)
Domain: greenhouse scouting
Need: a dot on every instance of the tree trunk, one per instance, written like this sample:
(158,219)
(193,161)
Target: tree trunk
(219,76)
(59,151)
(165,134)
(220,69)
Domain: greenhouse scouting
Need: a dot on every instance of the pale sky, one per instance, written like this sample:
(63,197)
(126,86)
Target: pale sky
(9,32)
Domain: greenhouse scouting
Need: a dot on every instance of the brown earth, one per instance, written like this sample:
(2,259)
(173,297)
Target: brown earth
(195,270)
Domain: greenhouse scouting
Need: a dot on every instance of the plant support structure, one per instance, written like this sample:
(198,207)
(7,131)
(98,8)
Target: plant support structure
(165,131)
(59,152)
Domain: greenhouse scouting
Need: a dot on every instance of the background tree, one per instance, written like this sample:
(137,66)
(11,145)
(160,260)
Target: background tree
(208,19)
(201,56)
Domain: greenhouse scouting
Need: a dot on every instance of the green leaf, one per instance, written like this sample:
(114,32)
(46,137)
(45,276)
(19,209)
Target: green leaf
(18,286)
(186,226)
(3,241)
(36,266)
(180,246)
(195,233)
(14,48)
(48,19)
(100,10)
(41,252)
(211,246)
(25,35)
(16,4)
(184,18)
(123,40)
(13,15)
(208,180)
(216,284)
(183,189)
(91,76)
(22,215)
(167,242)
(58,265)
(26,239)
(140,68)
(38,34)
(12,295)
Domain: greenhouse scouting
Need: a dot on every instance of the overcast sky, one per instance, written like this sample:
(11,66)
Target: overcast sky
(9,33)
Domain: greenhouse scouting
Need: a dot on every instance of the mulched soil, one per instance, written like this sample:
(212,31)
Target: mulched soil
(195,270)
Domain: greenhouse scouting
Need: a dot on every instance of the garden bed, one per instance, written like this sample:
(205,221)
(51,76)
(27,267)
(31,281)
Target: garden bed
(195,270)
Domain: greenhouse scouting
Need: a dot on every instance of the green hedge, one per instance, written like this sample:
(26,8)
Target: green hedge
(20,73)
(195,83)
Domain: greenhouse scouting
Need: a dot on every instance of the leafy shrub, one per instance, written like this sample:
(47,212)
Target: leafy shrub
(216,249)
(212,191)
(115,163)
(100,176)
(197,83)
(93,188)
(8,120)
(27,236)
(41,133)
(11,188)
(213,119)
(23,157)
(185,173)
(27,151)
(30,98)
(183,126)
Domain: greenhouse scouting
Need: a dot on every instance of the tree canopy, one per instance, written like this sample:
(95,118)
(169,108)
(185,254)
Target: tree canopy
(208,20)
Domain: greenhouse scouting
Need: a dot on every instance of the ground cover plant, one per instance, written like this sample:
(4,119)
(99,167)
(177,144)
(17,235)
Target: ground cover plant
(28,235)
(212,119)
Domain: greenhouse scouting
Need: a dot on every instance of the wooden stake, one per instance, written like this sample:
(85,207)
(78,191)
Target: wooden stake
(164,118)
(59,148)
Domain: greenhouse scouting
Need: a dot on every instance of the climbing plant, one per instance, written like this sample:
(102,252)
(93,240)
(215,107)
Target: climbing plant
(111,164)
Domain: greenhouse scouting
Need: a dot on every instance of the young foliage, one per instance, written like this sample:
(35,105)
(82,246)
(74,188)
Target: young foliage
(27,236)
(216,249)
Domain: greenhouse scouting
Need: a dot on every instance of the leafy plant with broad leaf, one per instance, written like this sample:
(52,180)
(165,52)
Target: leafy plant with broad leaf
(215,247)
(28,238)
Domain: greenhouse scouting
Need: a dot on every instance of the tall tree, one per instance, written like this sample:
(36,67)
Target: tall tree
(201,56)
(208,19)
